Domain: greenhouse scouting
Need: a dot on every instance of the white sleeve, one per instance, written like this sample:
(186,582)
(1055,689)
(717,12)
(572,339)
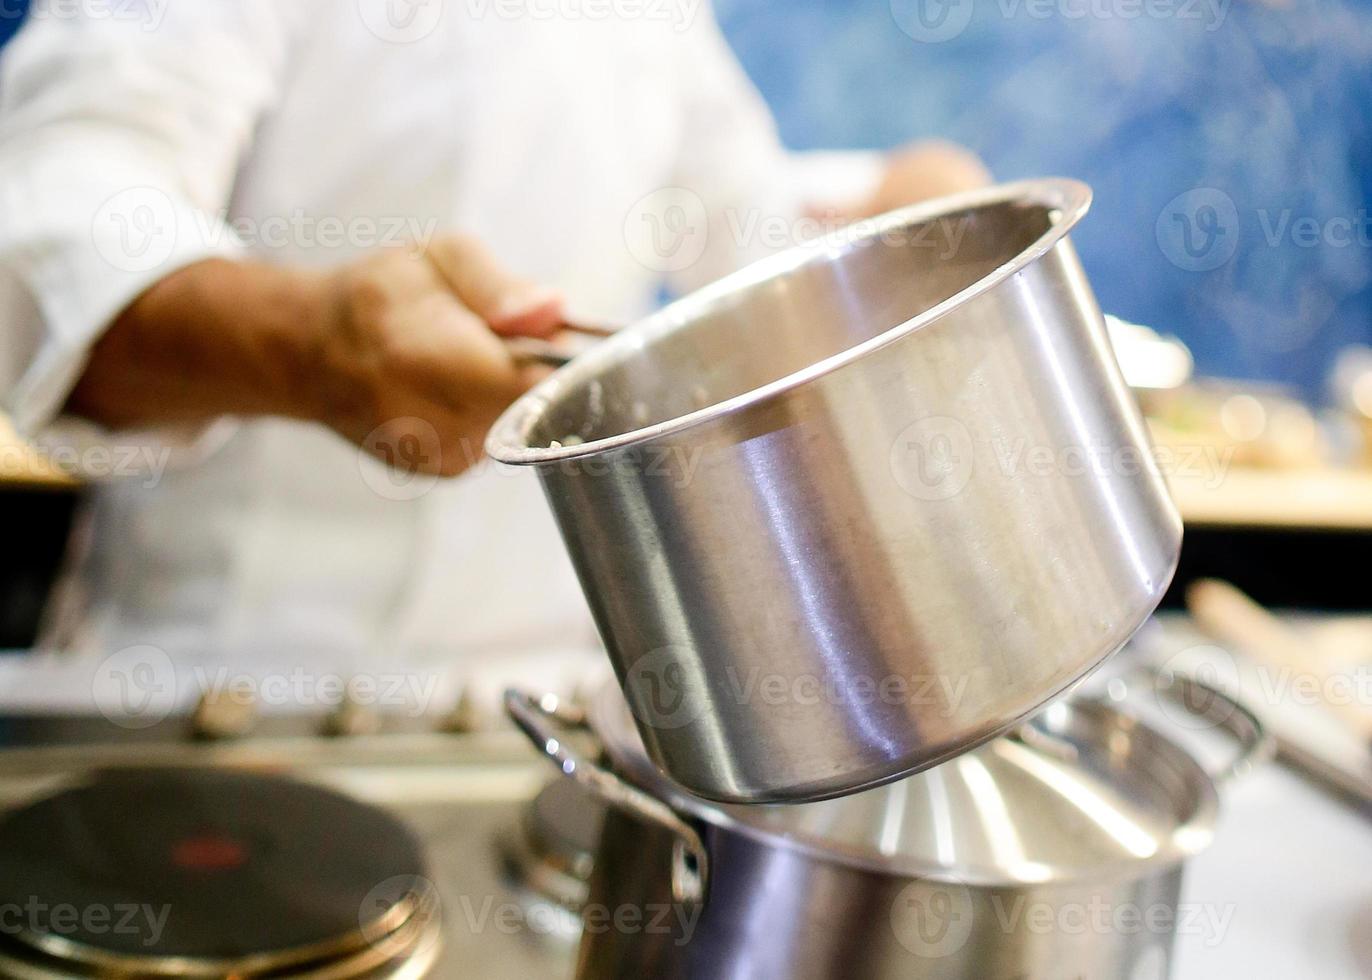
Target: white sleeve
(120,138)
(753,190)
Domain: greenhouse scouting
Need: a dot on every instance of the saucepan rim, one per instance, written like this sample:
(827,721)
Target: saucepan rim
(1189,836)
(1066,200)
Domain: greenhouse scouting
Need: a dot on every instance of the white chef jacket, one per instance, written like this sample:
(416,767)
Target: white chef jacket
(305,131)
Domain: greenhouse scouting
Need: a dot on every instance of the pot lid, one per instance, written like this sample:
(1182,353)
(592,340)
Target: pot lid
(1086,791)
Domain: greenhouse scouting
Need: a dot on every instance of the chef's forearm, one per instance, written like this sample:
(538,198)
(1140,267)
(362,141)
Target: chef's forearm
(217,337)
(400,344)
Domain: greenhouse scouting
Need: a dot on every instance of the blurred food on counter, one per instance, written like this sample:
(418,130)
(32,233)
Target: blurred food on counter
(1252,453)
(1350,389)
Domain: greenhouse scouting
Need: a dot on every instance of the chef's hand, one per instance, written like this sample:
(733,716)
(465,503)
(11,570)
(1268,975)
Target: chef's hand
(396,342)
(415,344)
(917,172)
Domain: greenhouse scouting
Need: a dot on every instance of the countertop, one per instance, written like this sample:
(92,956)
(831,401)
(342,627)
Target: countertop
(1290,863)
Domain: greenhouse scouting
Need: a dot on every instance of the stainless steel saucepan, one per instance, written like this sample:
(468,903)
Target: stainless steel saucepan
(1057,852)
(862,506)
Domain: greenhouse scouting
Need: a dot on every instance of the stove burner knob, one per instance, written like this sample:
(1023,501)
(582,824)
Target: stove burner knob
(352,718)
(468,717)
(224,713)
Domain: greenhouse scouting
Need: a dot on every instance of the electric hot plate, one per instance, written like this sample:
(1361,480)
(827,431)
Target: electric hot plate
(211,873)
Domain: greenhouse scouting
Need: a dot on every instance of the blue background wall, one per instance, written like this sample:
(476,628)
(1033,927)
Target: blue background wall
(1216,133)
(1257,115)
(11,15)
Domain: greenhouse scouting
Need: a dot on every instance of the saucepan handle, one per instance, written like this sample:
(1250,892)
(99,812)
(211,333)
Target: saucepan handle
(542,719)
(554,353)
(1253,743)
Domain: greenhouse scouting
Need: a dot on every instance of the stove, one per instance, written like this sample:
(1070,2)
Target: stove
(404,853)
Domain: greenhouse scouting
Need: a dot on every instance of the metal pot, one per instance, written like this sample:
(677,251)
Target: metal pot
(902,471)
(1053,854)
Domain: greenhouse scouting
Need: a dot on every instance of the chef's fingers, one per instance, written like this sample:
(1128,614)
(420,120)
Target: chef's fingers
(440,349)
(407,327)
(509,304)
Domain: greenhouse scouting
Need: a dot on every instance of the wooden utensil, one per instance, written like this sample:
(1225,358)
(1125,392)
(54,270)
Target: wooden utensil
(1233,618)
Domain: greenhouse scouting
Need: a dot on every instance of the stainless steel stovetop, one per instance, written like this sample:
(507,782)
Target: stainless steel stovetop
(462,794)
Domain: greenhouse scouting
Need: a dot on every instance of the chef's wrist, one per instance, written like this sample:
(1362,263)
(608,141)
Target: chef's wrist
(267,325)
(219,337)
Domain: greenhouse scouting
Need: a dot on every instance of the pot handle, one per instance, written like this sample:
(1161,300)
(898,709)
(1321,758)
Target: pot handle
(1255,744)
(538,351)
(540,718)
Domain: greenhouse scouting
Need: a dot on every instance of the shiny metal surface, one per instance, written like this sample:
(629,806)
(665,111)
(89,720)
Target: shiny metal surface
(1087,791)
(860,507)
(536,718)
(551,851)
(1089,817)
(779,914)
